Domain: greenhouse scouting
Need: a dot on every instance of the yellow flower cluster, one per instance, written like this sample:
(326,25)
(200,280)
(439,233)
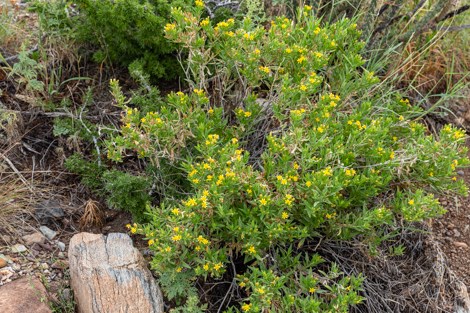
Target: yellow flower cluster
(199,3)
(212,139)
(350,172)
(289,199)
(204,22)
(170,27)
(327,171)
(132,228)
(199,92)
(244,113)
(265,69)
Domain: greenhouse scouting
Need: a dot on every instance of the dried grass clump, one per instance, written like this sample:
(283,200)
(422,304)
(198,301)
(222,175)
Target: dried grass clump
(92,215)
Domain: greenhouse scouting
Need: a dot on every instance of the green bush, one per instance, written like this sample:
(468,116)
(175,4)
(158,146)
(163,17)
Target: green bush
(126,32)
(284,137)
(121,190)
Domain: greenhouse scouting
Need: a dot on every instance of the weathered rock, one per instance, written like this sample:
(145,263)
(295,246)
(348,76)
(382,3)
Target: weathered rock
(109,275)
(49,233)
(3,263)
(24,295)
(33,238)
(49,210)
(18,249)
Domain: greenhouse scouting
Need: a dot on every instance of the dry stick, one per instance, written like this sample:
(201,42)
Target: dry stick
(454,13)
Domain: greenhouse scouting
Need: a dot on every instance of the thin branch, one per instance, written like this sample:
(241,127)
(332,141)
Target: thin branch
(454,13)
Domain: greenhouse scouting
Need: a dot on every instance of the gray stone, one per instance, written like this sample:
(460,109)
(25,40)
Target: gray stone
(18,248)
(61,246)
(49,210)
(66,294)
(24,295)
(49,233)
(107,274)
(33,238)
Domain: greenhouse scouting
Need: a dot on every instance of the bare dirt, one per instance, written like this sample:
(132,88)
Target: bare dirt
(453,231)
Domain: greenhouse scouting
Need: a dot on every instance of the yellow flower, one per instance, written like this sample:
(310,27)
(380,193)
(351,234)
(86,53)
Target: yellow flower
(311,290)
(128,226)
(202,240)
(296,166)
(401,118)
(303,87)
(170,27)
(167,249)
(176,238)
(307,7)
(199,92)
(257,52)
(246,307)
(458,134)
(454,178)
(261,291)
(392,155)
(210,111)
(263,201)
(209,177)
(289,199)
(179,269)
(321,128)
(133,230)
(317,30)
(301,59)
(318,54)
(265,69)
(176,229)
(411,202)
(151,242)
(247,114)
(204,22)
(251,250)
(285,215)
(327,171)
(288,50)
(218,266)
(199,3)
(234,141)
(308,183)
(206,267)
(350,172)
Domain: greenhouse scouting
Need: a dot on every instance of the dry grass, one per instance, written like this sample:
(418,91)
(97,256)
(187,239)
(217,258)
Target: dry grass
(92,215)
(16,201)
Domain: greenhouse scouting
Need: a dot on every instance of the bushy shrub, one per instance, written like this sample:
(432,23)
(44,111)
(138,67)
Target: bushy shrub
(284,137)
(121,190)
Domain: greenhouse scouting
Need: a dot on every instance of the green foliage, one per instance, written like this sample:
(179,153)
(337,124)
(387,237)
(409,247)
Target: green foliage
(26,71)
(121,190)
(338,158)
(91,173)
(127,192)
(125,31)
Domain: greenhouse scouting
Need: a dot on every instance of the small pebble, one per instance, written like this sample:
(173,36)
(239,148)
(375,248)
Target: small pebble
(18,248)
(61,246)
(3,263)
(460,244)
